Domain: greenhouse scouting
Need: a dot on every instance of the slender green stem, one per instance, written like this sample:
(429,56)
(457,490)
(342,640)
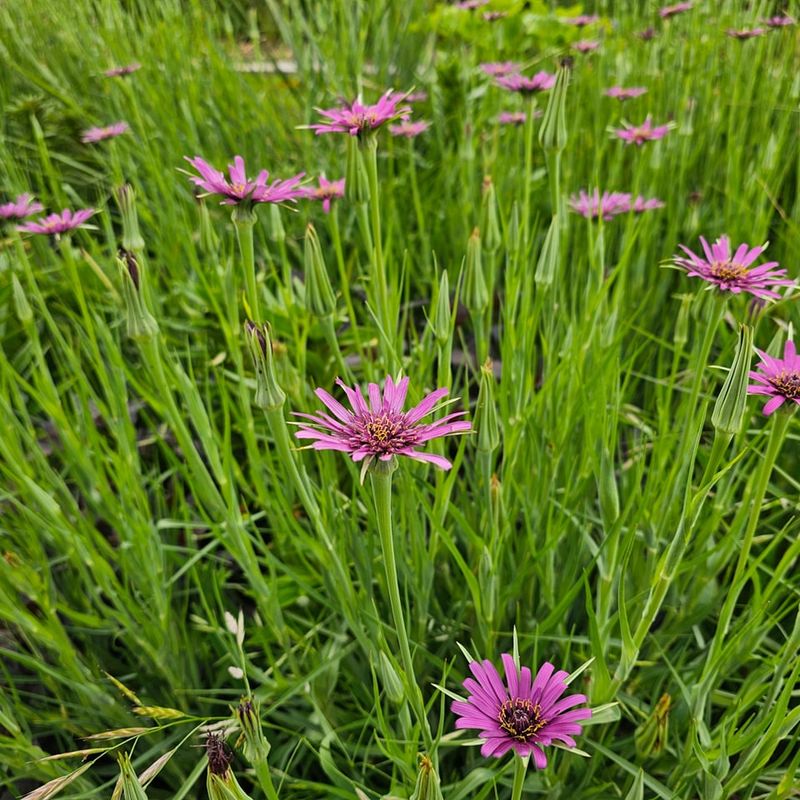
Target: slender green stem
(265,779)
(379,268)
(526,190)
(244,222)
(520,768)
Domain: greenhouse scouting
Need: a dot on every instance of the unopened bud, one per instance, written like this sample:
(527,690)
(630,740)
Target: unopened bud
(729,410)
(443,316)
(490,217)
(141,323)
(427,786)
(269,394)
(486,413)
(549,255)
(553,131)
(126,202)
(650,738)
(276,230)
(21,304)
(514,229)
(476,295)
(320,299)
(256,747)
(390,679)
(487,580)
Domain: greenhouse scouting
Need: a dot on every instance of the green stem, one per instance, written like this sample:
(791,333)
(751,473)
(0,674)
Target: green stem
(244,222)
(382,492)
(520,768)
(265,779)
(379,268)
(526,191)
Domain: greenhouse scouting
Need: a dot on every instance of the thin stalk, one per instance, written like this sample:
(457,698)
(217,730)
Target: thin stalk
(379,268)
(526,189)
(520,768)
(244,222)
(264,777)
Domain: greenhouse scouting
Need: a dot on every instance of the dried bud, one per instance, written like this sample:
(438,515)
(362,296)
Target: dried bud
(320,299)
(256,747)
(219,754)
(269,394)
(650,737)
(729,410)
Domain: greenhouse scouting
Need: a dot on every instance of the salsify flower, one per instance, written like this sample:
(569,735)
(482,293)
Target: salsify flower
(93,135)
(595,206)
(358,119)
(540,82)
(497,69)
(116,72)
(641,204)
(778,21)
(524,714)
(777,378)
(241,189)
(670,11)
(326,192)
(493,16)
(745,33)
(512,117)
(625,93)
(585,46)
(582,20)
(56,224)
(381,429)
(471,5)
(731,272)
(639,134)
(409,129)
(23,206)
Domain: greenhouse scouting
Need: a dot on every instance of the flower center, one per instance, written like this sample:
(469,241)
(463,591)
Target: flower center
(239,188)
(521,719)
(728,270)
(788,384)
(382,429)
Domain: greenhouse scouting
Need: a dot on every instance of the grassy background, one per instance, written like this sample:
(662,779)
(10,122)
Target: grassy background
(119,559)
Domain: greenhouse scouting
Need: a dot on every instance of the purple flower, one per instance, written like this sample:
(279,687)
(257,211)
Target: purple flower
(670,11)
(326,191)
(639,134)
(471,5)
(540,82)
(241,189)
(778,21)
(731,273)
(641,204)
(409,129)
(522,714)
(777,378)
(108,132)
(496,69)
(593,206)
(585,46)
(23,206)
(745,33)
(582,20)
(417,97)
(380,430)
(358,119)
(56,224)
(623,93)
(116,72)
(493,16)
(512,118)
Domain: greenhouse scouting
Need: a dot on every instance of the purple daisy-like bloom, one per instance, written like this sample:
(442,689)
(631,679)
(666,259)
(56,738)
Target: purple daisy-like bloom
(778,21)
(745,33)
(525,713)
(108,132)
(497,69)
(409,129)
(381,429)
(117,72)
(777,378)
(540,82)
(512,118)
(639,134)
(642,204)
(358,119)
(493,16)
(582,20)
(585,46)
(670,11)
(326,192)
(56,224)
(23,206)
(731,272)
(471,5)
(241,189)
(625,93)
(595,206)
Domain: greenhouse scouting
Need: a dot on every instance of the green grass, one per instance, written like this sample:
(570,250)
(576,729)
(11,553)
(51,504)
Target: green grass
(143,493)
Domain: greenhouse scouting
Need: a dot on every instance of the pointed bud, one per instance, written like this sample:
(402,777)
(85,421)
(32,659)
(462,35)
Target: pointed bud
(269,394)
(549,255)
(514,229)
(141,323)
(256,747)
(476,295)
(21,304)
(390,679)
(681,335)
(443,316)
(487,580)
(729,410)
(486,413)
(490,217)
(126,202)
(553,130)
(276,230)
(427,786)
(320,299)
(356,183)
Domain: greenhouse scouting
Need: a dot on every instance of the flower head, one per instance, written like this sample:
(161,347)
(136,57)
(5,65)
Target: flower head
(358,119)
(326,192)
(493,16)
(23,206)
(585,46)
(381,429)
(108,132)
(625,93)
(540,82)
(409,129)
(56,224)
(745,33)
(524,714)
(582,20)
(594,206)
(779,21)
(512,118)
(497,69)
(241,189)
(777,378)
(117,72)
(731,272)
(639,134)
(670,11)
(641,204)
(471,5)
